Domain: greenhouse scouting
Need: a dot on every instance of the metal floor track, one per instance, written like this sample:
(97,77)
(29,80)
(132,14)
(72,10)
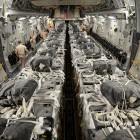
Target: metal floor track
(69,95)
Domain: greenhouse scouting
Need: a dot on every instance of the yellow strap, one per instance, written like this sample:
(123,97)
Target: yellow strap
(135,62)
(44,136)
(0,65)
(4,2)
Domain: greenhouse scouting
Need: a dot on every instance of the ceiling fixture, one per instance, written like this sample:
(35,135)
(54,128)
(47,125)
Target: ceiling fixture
(111,17)
(32,18)
(101,17)
(22,18)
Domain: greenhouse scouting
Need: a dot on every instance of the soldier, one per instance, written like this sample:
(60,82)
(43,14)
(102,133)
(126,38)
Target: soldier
(21,52)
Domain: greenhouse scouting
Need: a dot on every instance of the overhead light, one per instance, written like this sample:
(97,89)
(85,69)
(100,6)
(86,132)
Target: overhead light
(32,18)
(46,17)
(101,17)
(22,18)
(111,17)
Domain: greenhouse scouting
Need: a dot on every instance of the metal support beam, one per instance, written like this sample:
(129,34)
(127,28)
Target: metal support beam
(65,2)
(138,15)
(25,13)
(4,7)
(118,12)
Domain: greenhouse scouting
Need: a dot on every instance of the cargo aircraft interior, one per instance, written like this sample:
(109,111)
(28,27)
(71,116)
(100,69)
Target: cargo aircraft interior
(69,69)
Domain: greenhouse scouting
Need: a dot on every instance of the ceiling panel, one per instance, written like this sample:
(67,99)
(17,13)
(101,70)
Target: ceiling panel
(65,2)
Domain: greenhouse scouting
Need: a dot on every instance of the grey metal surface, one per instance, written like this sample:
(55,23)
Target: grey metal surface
(138,15)
(65,2)
(25,13)
(116,12)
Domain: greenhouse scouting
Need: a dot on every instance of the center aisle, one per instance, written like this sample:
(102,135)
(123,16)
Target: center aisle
(69,96)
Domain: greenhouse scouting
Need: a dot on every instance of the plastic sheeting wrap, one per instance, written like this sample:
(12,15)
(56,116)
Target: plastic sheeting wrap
(106,97)
(6,103)
(17,90)
(43,109)
(94,51)
(103,66)
(35,92)
(3,123)
(18,130)
(106,134)
(50,51)
(124,134)
(88,45)
(89,48)
(81,40)
(42,50)
(41,64)
(53,43)
(118,91)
